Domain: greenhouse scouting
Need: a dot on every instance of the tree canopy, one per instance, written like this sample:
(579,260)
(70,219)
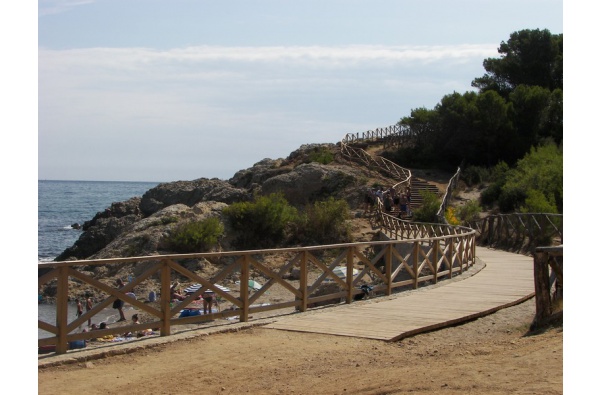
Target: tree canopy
(518,106)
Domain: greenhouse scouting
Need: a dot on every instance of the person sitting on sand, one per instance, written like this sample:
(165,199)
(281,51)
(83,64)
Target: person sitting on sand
(175,295)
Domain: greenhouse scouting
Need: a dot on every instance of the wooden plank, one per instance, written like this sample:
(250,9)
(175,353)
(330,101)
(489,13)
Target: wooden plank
(507,279)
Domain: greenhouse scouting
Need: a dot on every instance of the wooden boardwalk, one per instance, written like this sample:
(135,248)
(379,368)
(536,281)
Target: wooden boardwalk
(506,280)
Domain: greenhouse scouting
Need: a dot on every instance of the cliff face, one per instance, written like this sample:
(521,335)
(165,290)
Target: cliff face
(140,226)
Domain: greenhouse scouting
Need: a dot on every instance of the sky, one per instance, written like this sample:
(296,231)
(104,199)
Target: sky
(132,90)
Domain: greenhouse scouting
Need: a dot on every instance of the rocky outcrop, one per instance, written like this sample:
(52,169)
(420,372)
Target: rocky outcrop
(140,226)
(103,228)
(190,193)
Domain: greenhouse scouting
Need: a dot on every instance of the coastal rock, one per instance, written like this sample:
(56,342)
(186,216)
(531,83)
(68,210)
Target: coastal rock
(308,182)
(141,226)
(149,236)
(190,193)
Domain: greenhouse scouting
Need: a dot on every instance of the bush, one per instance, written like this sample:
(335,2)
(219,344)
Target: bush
(428,211)
(450,216)
(536,202)
(323,156)
(262,223)
(511,199)
(325,222)
(196,236)
(491,194)
(469,212)
(474,175)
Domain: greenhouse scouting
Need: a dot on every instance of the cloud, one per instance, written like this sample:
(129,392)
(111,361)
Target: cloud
(195,104)
(51,7)
(316,56)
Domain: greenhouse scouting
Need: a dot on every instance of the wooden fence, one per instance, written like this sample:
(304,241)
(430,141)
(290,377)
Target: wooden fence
(548,276)
(306,274)
(521,232)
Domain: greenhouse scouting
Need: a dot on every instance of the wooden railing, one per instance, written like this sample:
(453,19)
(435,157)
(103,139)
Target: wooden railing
(441,217)
(548,276)
(394,135)
(413,254)
(521,232)
(386,265)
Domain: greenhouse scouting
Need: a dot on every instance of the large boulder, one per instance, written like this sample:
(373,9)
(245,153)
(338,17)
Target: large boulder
(149,236)
(190,193)
(309,182)
(103,228)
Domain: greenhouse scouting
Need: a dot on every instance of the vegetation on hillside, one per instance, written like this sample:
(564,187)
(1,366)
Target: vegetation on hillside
(516,112)
(270,221)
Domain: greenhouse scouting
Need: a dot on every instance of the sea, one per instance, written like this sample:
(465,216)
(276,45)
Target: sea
(61,204)
(64,203)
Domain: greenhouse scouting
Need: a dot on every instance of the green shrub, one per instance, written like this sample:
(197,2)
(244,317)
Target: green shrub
(491,194)
(323,156)
(511,199)
(428,211)
(261,223)
(536,202)
(469,212)
(196,236)
(474,175)
(324,222)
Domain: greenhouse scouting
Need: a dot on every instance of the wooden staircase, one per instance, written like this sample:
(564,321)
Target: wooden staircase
(418,186)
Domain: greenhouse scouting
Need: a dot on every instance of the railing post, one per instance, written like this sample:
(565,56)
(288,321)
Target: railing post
(349,273)
(304,282)
(62,301)
(542,287)
(451,260)
(244,292)
(460,254)
(165,298)
(416,264)
(436,247)
(388,268)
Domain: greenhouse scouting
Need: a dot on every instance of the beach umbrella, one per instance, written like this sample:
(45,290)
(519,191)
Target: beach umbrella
(254,285)
(341,272)
(193,288)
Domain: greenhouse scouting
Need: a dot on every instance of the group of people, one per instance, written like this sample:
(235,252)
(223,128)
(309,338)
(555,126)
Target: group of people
(208,297)
(390,199)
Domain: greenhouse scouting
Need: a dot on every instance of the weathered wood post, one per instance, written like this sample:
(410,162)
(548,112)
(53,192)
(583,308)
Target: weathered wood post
(436,249)
(244,292)
(165,298)
(349,273)
(62,300)
(542,286)
(304,282)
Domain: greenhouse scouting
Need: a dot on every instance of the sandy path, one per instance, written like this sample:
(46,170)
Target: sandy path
(490,355)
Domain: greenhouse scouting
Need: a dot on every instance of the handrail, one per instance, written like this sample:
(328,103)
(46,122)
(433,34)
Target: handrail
(417,253)
(548,275)
(519,231)
(386,265)
(441,217)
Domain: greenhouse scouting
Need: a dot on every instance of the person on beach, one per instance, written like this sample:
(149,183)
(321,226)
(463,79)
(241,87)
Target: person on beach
(118,304)
(79,308)
(175,295)
(207,301)
(88,307)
